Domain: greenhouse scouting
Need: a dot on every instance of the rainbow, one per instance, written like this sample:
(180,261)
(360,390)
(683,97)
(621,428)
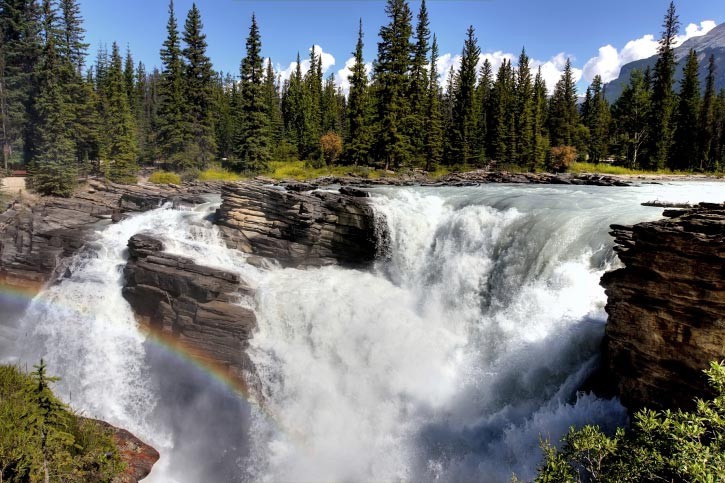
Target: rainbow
(229,378)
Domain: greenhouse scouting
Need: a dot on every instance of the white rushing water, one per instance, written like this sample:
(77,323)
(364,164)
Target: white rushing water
(447,360)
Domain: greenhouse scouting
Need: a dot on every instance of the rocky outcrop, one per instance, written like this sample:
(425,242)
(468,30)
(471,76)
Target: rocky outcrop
(138,457)
(192,304)
(299,227)
(36,235)
(666,307)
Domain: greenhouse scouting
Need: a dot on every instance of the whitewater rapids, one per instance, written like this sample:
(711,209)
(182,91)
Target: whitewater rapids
(446,361)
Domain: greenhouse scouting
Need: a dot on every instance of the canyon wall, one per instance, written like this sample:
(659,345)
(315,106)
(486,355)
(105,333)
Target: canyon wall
(666,307)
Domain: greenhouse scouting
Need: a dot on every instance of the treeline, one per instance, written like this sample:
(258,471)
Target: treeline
(62,121)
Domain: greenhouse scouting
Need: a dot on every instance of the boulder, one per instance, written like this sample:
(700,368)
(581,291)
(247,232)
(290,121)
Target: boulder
(299,228)
(666,307)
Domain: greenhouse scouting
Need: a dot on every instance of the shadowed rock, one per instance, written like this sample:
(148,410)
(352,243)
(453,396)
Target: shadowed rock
(667,307)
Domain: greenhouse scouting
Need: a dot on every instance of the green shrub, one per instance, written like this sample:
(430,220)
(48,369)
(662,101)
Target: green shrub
(37,431)
(660,446)
(164,177)
(219,174)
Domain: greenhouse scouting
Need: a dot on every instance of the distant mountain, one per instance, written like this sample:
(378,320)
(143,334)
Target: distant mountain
(711,43)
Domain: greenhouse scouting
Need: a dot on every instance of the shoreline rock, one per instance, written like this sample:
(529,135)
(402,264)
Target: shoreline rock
(666,307)
(297,227)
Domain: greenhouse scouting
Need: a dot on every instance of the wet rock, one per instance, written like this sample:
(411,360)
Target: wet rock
(666,307)
(194,304)
(138,456)
(296,228)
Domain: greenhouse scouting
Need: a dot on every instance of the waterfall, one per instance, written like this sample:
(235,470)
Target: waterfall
(447,360)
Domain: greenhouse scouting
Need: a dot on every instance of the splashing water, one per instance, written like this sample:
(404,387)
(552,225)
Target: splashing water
(445,361)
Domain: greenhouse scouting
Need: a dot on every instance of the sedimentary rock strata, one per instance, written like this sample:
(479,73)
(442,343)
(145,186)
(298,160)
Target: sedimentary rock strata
(667,307)
(298,227)
(193,304)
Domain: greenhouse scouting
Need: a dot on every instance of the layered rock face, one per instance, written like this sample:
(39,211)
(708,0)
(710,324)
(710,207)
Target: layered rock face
(137,455)
(36,235)
(191,303)
(299,227)
(667,307)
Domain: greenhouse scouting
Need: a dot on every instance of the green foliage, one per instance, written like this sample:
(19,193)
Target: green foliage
(563,113)
(359,109)
(40,438)
(660,446)
(685,151)
(164,177)
(218,174)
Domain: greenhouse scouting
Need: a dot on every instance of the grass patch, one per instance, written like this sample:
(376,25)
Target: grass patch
(605,168)
(164,177)
(219,174)
(300,170)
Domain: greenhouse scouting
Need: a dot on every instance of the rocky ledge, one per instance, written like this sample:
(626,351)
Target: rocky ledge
(192,304)
(36,235)
(666,307)
(299,226)
(138,457)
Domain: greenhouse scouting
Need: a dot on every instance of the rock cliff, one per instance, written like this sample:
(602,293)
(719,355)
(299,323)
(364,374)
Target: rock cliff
(37,234)
(666,307)
(192,304)
(138,457)
(299,227)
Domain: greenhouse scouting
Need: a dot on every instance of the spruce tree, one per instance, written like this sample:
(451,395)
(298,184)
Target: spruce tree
(707,118)
(433,130)
(596,118)
(74,45)
(391,85)
(663,98)
(358,140)
(330,108)
(272,99)
(20,50)
(172,132)
(524,93)
(484,90)
(129,79)
(685,152)
(502,133)
(461,133)
(631,116)
(253,141)
(312,94)
(418,92)
(539,138)
(293,107)
(563,112)
(198,85)
(53,165)
(120,148)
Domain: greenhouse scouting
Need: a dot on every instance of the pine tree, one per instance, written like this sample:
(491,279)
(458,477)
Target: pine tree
(524,92)
(707,119)
(663,99)
(631,114)
(502,133)
(74,45)
(20,51)
(226,94)
(53,166)
(685,152)
(484,91)
(461,133)
(391,85)
(272,100)
(330,108)
(358,140)
(596,118)
(172,132)
(198,85)
(433,131)
(253,139)
(292,109)
(120,148)
(312,94)
(129,78)
(539,138)
(418,83)
(563,112)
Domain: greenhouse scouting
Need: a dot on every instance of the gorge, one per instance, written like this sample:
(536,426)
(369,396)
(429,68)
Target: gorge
(464,335)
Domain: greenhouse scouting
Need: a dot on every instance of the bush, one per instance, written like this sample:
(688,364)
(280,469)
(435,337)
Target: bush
(164,177)
(37,431)
(660,446)
(189,174)
(561,158)
(219,174)
(331,144)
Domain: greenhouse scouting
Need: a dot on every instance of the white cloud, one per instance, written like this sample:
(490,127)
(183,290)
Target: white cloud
(552,69)
(609,61)
(328,60)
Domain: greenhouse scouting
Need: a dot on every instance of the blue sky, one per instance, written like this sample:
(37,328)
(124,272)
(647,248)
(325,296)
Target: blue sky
(598,36)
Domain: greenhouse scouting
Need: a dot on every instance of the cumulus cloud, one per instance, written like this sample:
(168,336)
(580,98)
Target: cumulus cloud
(609,60)
(328,60)
(552,69)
